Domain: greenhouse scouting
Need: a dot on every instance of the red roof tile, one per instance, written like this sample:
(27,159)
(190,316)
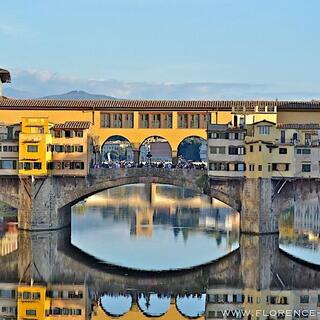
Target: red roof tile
(156,105)
(73,125)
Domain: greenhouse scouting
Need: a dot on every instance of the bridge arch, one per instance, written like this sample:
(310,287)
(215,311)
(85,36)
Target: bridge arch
(124,304)
(152,305)
(103,179)
(117,147)
(186,148)
(197,303)
(159,147)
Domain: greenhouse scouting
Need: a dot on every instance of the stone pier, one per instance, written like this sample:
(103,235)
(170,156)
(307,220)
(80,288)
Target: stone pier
(257,213)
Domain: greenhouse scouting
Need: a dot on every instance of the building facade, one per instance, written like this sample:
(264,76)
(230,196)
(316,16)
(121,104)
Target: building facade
(9,149)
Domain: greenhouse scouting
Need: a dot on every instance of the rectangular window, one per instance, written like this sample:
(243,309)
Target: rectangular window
(31,312)
(77,165)
(194,121)
(68,133)
(264,130)
(32,148)
(78,148)
(304,299)
(117,120)
(260,148)
(127,120)
(105,120)
(57,133)
(58,148)
(8,164)
(306,151)
(218,166)
(182,120)
(78,133)
(303,151)
(306,167)
(167,120)
(234,150)
(68,148)
(251,148)
(27,165)
(282,150)
(217,150)
(308,139)
(144,120)
(156,120)
(259,167)
(282,136)
(37,165)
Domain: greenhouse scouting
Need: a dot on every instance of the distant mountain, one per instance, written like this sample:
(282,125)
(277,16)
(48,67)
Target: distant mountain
(17,94)
(79,95)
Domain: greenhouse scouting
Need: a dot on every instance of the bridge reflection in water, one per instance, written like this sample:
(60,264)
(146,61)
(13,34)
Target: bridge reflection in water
(258,276)
(44,272)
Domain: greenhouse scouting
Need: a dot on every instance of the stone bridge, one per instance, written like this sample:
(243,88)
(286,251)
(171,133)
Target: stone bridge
(44,203)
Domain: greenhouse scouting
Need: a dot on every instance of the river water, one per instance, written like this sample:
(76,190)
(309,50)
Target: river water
(141,251)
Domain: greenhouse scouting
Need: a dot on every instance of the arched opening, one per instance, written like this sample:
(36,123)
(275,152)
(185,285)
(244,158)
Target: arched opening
(155,150)
(193,149)
(191,306)
(116,305)
(116,149)
(153,305)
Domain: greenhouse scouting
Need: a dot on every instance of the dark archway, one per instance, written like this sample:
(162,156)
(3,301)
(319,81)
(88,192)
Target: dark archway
(155,149)
(116,148)
(193,148)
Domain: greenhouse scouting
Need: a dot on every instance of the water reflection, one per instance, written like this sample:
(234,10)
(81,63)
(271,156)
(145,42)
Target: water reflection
(44,276)
(300,230)
(8,235)
(47,277)
(154,227)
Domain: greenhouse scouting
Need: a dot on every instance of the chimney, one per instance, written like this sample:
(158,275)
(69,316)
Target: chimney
(4,78)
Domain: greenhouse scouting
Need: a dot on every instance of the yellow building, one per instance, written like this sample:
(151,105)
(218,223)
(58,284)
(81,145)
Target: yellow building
(35,142)
(33,303)
(71,152)
(52,302)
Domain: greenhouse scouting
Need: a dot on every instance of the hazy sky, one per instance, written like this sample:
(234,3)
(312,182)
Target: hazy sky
(163,48)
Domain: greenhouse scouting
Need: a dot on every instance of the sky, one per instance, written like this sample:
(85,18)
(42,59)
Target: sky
(162,49)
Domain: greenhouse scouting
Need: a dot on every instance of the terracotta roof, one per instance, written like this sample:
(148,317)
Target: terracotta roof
(73,125)
(307,126)
(156,105)
(5,76)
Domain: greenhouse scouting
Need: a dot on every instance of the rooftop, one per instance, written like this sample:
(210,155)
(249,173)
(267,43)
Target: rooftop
(73,125)
(5,76)
(310,126)
(156,105)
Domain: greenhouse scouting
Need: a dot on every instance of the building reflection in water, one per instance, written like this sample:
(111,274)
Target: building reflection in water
(300,229)
(8,235)
(157,222)
(46,277)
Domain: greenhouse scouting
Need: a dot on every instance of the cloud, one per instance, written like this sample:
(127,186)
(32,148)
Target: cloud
(33,83)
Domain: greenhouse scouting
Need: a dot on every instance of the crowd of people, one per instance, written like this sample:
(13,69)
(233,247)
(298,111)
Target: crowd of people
(181,164)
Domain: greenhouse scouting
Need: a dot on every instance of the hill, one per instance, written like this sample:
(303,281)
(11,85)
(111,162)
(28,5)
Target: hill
(78,95)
